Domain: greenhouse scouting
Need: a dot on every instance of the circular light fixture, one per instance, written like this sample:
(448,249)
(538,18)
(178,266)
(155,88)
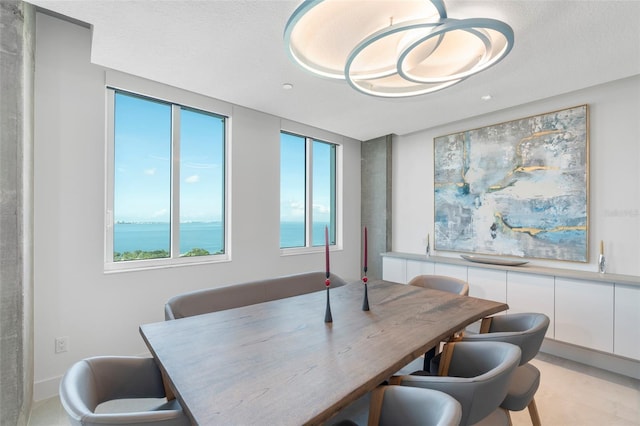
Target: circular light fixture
(393,48)
(464,47)
(388,82)
(320,33)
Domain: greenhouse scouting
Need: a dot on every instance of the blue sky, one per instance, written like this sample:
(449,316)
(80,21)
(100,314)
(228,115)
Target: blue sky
(292,179)
(143,167)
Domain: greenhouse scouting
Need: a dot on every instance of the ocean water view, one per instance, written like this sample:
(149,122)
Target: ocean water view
(209,236)
(292,234)
(129,237)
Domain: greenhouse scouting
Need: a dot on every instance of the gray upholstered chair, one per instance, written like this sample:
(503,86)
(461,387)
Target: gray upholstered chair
(477,375)
(527,330)
(93,381)
(410,406)
(249,293)
(441,282)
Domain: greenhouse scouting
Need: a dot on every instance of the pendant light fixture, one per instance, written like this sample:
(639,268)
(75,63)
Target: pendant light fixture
(393,48)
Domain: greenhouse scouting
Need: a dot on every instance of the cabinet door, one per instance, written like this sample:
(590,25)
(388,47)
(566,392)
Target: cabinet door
(627,321)
(455,271)
(488,284)
(584,313)
(416,267)
(394,269)
(531,293)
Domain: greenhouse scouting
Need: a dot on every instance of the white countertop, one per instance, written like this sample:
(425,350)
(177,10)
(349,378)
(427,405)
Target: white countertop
(527,268)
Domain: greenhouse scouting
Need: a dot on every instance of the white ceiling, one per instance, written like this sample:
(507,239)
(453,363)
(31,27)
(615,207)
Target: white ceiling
(233,50)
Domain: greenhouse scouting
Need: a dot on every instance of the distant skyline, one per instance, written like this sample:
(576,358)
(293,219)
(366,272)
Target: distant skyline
(142,180)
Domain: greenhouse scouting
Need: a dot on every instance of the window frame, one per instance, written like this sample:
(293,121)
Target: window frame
(337,201)
(175,259)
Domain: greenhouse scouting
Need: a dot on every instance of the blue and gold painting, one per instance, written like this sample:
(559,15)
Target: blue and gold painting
(518,188)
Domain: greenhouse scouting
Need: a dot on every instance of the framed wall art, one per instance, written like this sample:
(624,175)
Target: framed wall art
(518,188)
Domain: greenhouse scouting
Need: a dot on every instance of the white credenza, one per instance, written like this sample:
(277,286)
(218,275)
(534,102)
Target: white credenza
(626,321)
(531,293)
(584,313)
(598,312)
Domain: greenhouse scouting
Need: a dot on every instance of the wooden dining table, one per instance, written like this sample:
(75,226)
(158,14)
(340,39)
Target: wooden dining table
(280,363)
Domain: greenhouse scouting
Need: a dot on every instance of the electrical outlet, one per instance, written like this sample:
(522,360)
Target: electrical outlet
(62,344)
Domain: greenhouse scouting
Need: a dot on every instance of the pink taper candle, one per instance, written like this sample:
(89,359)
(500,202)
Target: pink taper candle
(365,249)
(326,245)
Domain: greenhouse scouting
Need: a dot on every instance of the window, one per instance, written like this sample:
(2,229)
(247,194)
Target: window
(166,186)
(307,191)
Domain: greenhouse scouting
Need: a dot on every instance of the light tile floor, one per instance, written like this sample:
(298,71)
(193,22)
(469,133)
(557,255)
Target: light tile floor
(569,394)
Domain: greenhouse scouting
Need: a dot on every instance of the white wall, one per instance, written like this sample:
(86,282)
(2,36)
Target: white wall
(100,313)
(614,214)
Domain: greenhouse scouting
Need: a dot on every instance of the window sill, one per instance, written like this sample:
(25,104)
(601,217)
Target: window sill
(150,264)
(295,251)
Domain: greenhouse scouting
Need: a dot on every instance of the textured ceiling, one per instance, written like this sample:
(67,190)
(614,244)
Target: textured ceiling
(233,50)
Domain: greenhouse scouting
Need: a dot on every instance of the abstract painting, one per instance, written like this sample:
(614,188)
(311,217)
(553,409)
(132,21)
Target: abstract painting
(518,188)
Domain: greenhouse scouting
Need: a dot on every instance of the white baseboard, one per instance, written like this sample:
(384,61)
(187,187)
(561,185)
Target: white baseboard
(605,361)
(45,389)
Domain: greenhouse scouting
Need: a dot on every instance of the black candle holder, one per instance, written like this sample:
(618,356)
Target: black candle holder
(365,302)
(327,313)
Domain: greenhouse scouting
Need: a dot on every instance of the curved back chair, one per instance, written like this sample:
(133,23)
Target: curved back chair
(92,381)
(478,377)
(527,331)
(442,283)
(234,296)
(409,406)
